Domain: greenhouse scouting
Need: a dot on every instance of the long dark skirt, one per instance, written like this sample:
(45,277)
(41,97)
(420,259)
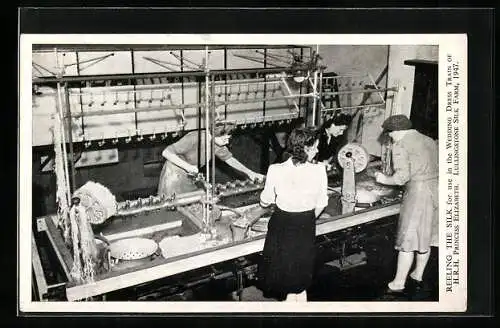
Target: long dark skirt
(288,257)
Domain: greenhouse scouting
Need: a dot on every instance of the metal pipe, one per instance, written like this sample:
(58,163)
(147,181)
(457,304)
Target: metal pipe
(206,213)
(264,86)
(342,76)
(131,89)
(212,110)
(80,94)
(289,59)
(159,75)
(36,69)
(208,279)
(184,199)
(259,119)
(184,59)
(93,63)
(38,66)
(248,83)
(268,55)
(182,106)
(315,88)
(257,60)
(375,85)
(358,91)
(90,60)
(242,101)
(42,48)
(154,60)
(240,191)
(320,93)
(290,93)
(134,85)
(70,138)
(135,110)
(157,62)
(315,85)
(352,107)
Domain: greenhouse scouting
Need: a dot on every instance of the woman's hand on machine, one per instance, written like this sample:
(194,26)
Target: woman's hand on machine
(192,169)
(256,177)
(254,214)
(379,177)
(327,164)
(331,169)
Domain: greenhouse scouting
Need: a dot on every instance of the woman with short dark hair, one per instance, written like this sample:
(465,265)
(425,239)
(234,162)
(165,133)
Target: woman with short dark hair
(298,189)
(331,138)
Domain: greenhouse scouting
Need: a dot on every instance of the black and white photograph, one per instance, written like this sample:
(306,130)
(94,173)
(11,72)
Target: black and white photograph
(243,173)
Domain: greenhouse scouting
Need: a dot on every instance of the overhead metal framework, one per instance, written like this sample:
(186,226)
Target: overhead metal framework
(310,73)
(152,47)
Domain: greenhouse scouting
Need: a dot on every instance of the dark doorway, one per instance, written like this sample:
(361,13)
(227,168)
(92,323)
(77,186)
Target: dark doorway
(424,107)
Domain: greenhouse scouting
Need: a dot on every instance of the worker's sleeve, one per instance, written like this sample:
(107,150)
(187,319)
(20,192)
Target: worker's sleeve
(223,153)
(401,164)
(185,144)
(268,194)
(323,188)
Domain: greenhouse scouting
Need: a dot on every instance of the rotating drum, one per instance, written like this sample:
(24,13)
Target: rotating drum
(357,153)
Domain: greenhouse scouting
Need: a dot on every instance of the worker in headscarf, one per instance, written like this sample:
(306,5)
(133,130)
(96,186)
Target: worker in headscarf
(415,165)
(183,159)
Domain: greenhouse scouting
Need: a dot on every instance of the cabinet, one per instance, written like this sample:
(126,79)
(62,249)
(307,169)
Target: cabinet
(424,107)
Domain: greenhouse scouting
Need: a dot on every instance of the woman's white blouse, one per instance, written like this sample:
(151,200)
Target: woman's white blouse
(296,188)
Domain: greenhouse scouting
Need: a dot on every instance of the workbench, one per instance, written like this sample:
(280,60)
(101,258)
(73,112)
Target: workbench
(159,267)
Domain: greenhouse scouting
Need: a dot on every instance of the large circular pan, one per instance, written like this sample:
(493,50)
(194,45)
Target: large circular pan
(133,248)
(357,153)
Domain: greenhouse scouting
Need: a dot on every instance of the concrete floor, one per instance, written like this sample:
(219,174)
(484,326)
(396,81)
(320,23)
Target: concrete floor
(366,282)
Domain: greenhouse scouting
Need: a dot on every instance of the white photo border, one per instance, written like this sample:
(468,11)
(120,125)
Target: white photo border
(452,299)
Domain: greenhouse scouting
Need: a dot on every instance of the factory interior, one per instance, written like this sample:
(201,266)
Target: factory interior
(103,115)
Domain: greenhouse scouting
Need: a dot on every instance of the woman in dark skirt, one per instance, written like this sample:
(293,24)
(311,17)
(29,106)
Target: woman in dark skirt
(298,189)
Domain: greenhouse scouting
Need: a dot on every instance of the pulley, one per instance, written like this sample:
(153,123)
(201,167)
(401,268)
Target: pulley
(353,158)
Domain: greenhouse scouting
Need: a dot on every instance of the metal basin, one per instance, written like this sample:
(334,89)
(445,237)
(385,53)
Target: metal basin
(132,248)
(125,253)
